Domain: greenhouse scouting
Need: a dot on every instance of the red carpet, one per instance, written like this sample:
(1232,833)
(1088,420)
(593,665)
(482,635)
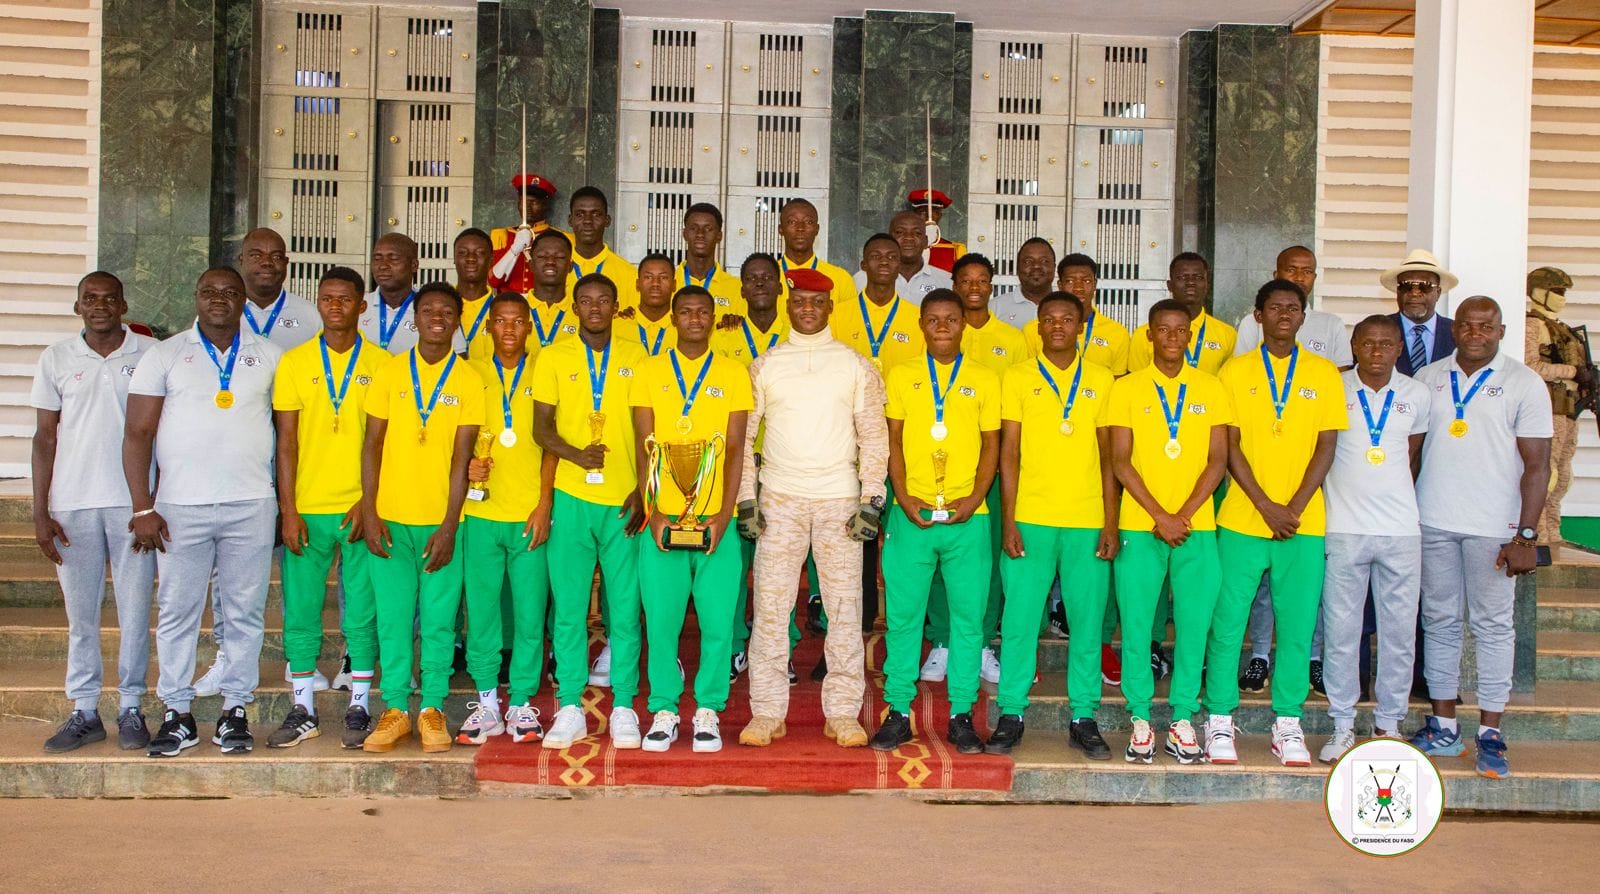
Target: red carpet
(804,760)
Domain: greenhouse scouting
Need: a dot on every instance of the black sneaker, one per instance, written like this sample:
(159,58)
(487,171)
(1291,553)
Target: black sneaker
(1255,675)
(233,732)
(505,667)
(1085,734)
(81,728)
(550,668)
(1058,621)
(458,662)
(821,670)
(357,724)
(299,726)
(814,614)
(1159,665)
(794,678)
(132,734)
(177,732)
(895,731)
(741,663)
(1007,733)
(1316,678)
(962,735)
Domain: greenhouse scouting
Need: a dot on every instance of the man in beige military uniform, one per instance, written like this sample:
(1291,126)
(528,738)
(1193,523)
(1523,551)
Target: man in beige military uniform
(1555,352)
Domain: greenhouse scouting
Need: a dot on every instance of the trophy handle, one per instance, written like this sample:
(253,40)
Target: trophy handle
(653,457)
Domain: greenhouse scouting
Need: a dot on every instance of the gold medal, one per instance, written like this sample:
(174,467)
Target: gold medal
(1066,426)
(508,438)
(224,399)
(336,423)
(685,425)
(938,431)
(877,364)
(422,435)
(1277,428)
(1375,455)
(1458,428)
(1173,448)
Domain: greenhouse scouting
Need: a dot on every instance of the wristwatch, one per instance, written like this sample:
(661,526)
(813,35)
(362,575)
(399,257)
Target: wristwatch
(1527,536)
(876,503)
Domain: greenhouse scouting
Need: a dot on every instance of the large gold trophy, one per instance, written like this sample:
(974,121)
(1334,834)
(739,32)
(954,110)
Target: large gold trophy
(478,491)
(694,466)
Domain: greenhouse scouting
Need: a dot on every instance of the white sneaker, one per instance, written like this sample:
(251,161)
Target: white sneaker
(1342,740)
(483,722)
(1289,743)
(570,726)
(624,728)
(1219,740)
(990,669)
(210,682)
(522,723)
(707,735)
(600,673)
(933,669)
(1182,743)
(663,731)
(341,680)
(319,683)
(1141,743)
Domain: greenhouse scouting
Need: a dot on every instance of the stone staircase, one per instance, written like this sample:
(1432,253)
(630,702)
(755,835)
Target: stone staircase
(1554,730)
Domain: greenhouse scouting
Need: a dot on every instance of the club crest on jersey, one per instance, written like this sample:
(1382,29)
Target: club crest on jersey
(1493,391)
(289,323)
(128,370)
(1402,409)
(1308,393)
(1213,346)
(966,391)
(626,372)
(998,351)
(902,338)
(449,400)
(1100,342)
(1088,393)
(252,361)
(1196,409)
(714,391)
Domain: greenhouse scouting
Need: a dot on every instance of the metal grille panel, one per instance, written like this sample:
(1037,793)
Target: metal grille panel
(781,70)
(1121,170)
(672,65)
(314,217)
(1017,159)
(318,60)
(663,224)
(671,147)
(1014,224)
(428,149)
(1124,84)
(428,50)
(316,133)
(778,151)
(1021,75)
(1116,242)
(428,222)
(1121,305)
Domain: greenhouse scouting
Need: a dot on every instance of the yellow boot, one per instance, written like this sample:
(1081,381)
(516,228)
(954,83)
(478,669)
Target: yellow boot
(432,730)
(846,731)
(394,727)
(760,731)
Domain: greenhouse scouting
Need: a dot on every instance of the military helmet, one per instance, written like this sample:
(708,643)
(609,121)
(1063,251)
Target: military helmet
(1549,278)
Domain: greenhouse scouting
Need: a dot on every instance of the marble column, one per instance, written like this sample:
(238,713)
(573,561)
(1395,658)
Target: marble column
(235,126)
(844,171)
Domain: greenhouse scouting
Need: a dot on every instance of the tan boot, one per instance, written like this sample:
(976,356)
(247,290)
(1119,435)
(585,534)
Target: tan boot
(432,730)
(760,731)
(846,731)
(394,727)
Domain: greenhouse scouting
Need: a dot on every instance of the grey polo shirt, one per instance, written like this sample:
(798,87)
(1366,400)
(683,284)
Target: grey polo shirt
(1377,500)
(297,320)
(91,394)
(921,283)
(404,336)
(1014,307)
(1322,334)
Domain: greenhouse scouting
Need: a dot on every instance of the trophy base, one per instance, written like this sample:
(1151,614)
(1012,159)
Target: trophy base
(478,494)
(686,538)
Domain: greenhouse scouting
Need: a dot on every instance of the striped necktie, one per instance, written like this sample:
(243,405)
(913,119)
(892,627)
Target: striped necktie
(1419,352)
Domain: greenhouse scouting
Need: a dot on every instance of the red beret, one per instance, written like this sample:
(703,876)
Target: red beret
(522,183)
(919,198)
(805,279)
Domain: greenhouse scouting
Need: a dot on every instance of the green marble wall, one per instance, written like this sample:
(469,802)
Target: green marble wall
(908,62)
(234,126)
(1253,163)
(604,86)
(156,122)
(538,52)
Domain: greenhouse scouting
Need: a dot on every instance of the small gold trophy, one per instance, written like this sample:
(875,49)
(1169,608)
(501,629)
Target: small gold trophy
(693,466)
(479,490)
(597,432)
(940,513)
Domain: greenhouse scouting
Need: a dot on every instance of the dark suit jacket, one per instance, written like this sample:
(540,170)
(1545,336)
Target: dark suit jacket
(1444,342)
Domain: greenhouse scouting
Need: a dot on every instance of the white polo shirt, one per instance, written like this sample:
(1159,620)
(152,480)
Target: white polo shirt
(297,320)
(1322,334)
(206,454)
(405,331)
(1013,307)
(91,394)
(1472,485)
(921,283)
(1377,500)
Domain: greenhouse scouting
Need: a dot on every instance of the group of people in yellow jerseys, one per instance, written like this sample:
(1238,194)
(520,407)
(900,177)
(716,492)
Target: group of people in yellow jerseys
(468,455)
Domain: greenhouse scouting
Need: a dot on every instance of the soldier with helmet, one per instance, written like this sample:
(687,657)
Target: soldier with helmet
(1554,351)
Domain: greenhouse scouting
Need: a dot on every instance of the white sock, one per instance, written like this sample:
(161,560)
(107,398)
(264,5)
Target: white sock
(489,700)
(1486,730)
(1448,724)
(360,687)
(1348,726)
(304,692)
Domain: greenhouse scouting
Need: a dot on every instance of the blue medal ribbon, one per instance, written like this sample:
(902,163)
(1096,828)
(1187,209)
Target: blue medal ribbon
(1173,415)
(1455,391)
(578,271)
(939,394)
(597,382)
(644,339)
(1279,401)
(750,339)
(555,327)
(505,396)
(704,283)
(1375,429)
(225,372)
(1088,333)
(385,331)
(783,260)
(876,342)
(438,388)
(482,312)
(337,397)
(1199,345)
(272,318)
(1072,395)
(689,394)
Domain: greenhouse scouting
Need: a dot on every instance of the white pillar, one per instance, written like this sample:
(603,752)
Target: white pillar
(1471,101)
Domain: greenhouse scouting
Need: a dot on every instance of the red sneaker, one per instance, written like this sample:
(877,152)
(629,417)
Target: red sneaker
(1110,666)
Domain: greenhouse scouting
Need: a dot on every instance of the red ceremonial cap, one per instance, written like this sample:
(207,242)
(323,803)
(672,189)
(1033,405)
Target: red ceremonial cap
(805,279)
(919,198)
(524,182)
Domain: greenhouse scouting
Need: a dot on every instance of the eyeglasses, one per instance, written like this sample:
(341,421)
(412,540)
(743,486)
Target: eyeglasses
(230,294)
(1414,286)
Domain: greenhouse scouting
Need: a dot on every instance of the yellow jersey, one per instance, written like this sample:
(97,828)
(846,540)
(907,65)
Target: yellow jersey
(1141,402)
(328,465)
(886,334)
(720,387)
(725,288)
(1058,478)
(562,378)
(414,481)
(615,268)
(970,394)
(1102,340)
(1210,345)
(996,344)
(514,478)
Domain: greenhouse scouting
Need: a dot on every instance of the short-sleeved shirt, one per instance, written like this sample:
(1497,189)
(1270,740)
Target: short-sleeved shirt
(615,268)
(724,391)
(91,394)
(745,342)
(1137,405)
(1102,340)
(1472,484)
(725,288)
(475,326)
(561,379)
(916,287)
(1315,404)
(514,478)
(844,284)
(1322,333)
(656,336)
(1214,338)
(414,481)
(328,465)
(1059,477)
(206,454)
(971,407)
(897,323)
(402,328)
(1013,307)
(1364,498)
(297,320)
(553,322)
(997,344)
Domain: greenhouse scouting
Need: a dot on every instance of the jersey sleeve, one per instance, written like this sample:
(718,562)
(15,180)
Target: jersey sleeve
(1331,414)
(546,389)
(740,398)
(1534,418)
(1422,411)
(1118,405)
(1102,416)
(1011,393)
(378,392)
(989,409)
(285,396)
(473,404)
(639,385)
(1217,402)
(150,377)
(1119,356)
(46,393)
(894,383)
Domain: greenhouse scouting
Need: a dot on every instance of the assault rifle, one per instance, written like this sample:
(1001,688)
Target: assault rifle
(1588,392)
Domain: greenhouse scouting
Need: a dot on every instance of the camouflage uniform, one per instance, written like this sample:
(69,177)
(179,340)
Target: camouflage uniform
(1555,352)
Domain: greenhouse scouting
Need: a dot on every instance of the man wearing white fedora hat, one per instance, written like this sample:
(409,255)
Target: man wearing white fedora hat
(1417,284)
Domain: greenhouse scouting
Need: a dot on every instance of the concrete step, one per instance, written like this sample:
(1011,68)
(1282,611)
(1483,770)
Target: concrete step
(1569,656)
(1547,777)
(41,633)
(33,584)
(1573,609)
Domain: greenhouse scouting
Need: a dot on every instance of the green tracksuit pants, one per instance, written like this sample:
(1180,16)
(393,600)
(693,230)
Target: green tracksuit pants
(496,551)
(1047,552)
(741,623)
(411,601)
(583,534)
(305,590)
(938,631)
(1143,565)
(911,555)
(668,579)
(1294,568)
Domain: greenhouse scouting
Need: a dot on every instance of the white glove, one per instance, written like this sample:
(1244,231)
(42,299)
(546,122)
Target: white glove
(508,261)
(523,240)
